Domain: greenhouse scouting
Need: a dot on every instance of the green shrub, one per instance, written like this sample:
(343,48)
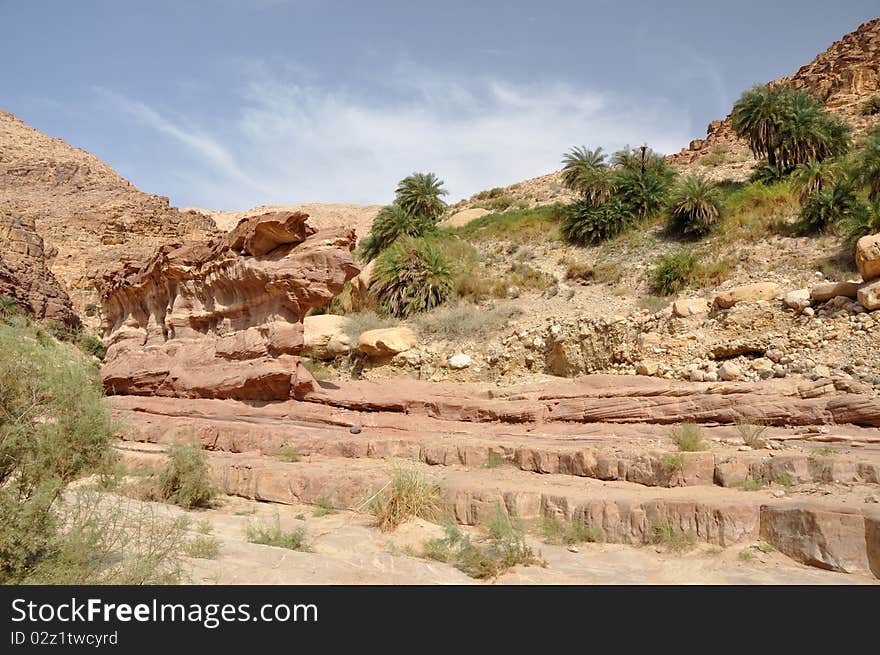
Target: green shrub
(863,221)
(273,535)
(92,346)
(871,106)
(186,479)
(585,172)
(53,428)
(666,534)
(518,225)
(752,433)
(464,320)
(673,272)
(202,547)
(585,224)
(412,276)
(503,549)
(824,208)
(287,454)
(688,437)
(644,194)
(768,174)
(866,165)
(91,309)
(407,495)
(695,206)
(8,307)
(570,533)
(324,507)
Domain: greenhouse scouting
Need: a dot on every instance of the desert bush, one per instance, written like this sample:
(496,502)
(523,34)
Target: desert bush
(464,320)
(318,369)
(871,106)
(688,437)
(202,547)
(498,203)
(504,548)
(53,428)
(586,224)
(186,479)
(412,276)
(715,157)
(8,307)
(488,194)
(664,533)
(695,206)
(673,272)
(324,507)
(823,208)
(110,540)
(274,535)
(92,346)
(857,224)
(569,533)
(407,495)
(287,454)
(643,194)
(752,433)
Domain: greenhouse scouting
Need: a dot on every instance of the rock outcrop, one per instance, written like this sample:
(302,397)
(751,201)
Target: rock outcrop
(24,275)
(843,77)
(223,318)
(89,217)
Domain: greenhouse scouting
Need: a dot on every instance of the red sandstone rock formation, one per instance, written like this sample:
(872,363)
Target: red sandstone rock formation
(223,318)
(24,275)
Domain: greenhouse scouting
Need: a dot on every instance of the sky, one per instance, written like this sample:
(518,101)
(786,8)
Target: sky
(228,104)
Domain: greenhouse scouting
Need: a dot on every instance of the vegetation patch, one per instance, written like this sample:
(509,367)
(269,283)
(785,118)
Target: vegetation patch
(503,548)
(688,437)
(274,535)
(407,495)
(666,534)
(569,533)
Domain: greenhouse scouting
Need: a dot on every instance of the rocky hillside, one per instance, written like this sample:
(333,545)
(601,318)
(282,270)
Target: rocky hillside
(844,76)
(87,217)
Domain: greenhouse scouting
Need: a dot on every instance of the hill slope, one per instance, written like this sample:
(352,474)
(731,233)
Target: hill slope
(87,215)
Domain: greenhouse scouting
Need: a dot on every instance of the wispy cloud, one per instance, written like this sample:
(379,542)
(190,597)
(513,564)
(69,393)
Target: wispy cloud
(305,142)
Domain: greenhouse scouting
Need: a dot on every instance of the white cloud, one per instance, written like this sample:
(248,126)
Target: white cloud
(303,142)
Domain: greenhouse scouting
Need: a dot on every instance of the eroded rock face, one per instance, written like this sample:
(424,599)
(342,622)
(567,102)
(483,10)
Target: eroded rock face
(223,318)
(24,274)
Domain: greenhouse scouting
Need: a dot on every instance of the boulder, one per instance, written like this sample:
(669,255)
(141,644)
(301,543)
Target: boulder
(386,342)
(826,537)
(868,257)
(729,371)
(465,216)
(829,290)
(326,336)
(797,300)
(459,361)
(647,367)
(361,297)
(684,307)
(869,295)
(223,318)
(748,293)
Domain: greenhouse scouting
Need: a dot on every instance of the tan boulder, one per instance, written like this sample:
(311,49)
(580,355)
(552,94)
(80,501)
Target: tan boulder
(386,341)
(830,538)
(361,298)
(829,290)
(798,300)
(647,367)
(465,216)
(326,336)
(869,295)
(868,256)
(748,293)
(684,307)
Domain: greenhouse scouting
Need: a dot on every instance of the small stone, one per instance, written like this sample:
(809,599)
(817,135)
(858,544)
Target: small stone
(710,376)
(744,449)
(355,429)
(696,376)
(872,499)
(808,311)
(573,549)
(778,493)
(730,371)
(459,361)
(647,367)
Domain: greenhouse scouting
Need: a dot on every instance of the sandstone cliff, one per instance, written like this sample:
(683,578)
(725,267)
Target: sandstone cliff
(223,318)
(88,217)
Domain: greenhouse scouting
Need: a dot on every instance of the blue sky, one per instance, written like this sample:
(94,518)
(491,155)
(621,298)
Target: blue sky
(227,104)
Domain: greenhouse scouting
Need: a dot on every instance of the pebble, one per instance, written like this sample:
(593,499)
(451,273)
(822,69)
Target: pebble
(872,499)
(778,493)
(355,429)
(573,549)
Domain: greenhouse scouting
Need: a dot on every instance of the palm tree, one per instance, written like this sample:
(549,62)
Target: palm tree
(420,195)
(695,205)
(815,176)
(867,165)
(632,159)
(585,172)
(788,126)
(391,223)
